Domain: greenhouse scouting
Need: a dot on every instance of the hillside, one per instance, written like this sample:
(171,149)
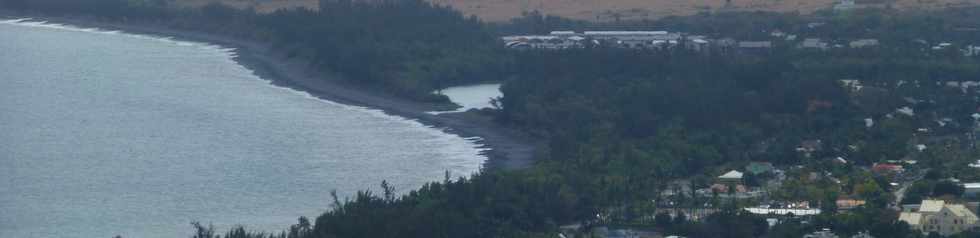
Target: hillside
(610,10)
(260,5)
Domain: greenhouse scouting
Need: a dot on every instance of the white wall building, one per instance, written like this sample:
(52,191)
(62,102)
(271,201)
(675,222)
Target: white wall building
(971,189)
(940,217)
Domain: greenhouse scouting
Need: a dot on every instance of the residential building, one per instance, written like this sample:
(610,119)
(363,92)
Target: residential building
(729,182)
(971,50)
(783,211)
(731,177)
(726,42)
(863,234)
(808,147)
(759,168)
(942,46)
(726,188)
(825,233)
(862,43)
(755,46)
(887,169)
(971,189)
(847,204)
(541,42)
(698,44)
(813,43)
(845,5)
(852,85)
(940,217)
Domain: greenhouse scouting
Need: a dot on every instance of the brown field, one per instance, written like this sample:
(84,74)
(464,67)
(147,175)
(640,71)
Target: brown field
(609,10)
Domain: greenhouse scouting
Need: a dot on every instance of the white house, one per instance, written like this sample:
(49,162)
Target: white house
(940,217)
(971,50)
(783,211)
(825,233)
(862,43)
(813,43)
(971,189)
(975,165)
(733,175)
(845,5)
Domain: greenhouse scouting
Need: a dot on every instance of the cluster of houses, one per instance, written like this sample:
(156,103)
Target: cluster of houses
(559,40)
(932,216)
(827,233)
(569,39)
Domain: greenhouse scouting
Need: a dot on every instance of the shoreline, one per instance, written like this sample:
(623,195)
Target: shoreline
(509,149)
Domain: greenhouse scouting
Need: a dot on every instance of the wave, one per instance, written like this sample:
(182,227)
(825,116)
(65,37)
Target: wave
(30,22)
(437,134)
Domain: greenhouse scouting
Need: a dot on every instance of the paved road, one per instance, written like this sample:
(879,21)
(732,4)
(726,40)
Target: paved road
(906,182)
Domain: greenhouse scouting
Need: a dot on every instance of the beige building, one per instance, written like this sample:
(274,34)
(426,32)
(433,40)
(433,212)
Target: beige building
(940,217)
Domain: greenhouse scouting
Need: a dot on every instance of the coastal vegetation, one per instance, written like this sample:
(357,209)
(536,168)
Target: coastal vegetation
(621,124)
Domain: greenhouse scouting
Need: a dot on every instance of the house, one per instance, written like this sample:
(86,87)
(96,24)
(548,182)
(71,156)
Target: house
(971,50)
(563,33)
(777,34)
(759,168)
(845,5)
(783,211)
(888,169)
(553,42)
(863,234)
(697,44)
(971,189)
(755,46)
(635,39)
(852,85)
(728,182)
(825,233)
(940,217)
(846,204)
(724,45)
(808,147)
(726,188)
(731,177)
(813,43)
(942,46)
(862,43)
(908,111)
(624,233)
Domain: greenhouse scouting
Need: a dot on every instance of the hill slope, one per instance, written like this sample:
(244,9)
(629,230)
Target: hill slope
(610,10)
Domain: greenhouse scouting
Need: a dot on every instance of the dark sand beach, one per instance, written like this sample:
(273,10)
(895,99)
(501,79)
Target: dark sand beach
(509,148)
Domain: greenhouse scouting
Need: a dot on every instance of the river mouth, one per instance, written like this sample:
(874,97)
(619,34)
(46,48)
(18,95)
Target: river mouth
(108,133)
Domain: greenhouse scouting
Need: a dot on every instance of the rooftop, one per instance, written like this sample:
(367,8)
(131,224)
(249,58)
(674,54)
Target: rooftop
(932,205)
(734,174)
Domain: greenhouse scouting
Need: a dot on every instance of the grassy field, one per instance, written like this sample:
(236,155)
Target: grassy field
(610,10)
